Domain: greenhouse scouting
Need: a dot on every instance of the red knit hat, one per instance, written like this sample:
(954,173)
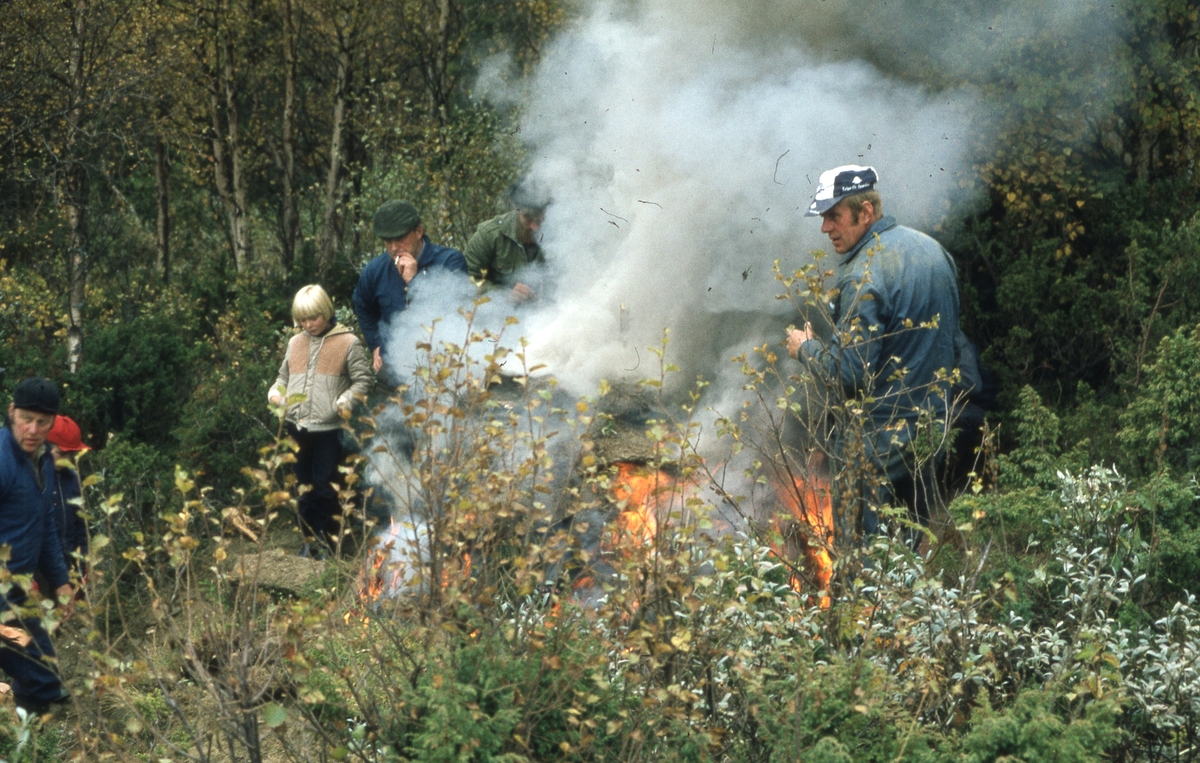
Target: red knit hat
(65,434)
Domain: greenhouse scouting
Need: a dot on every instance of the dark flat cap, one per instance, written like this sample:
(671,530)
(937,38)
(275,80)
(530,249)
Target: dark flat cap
(396,219)
(36,394)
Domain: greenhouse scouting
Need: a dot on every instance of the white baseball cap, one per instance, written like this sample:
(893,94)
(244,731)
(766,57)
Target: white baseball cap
(838,183)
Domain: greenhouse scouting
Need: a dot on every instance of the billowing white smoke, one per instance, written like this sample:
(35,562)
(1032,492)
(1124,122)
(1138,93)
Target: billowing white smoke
(682,141)
(682,150)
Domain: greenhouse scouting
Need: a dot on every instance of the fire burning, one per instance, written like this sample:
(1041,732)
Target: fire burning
(809,530)
(642,493)
(399,560)
(646,500)
(645,496)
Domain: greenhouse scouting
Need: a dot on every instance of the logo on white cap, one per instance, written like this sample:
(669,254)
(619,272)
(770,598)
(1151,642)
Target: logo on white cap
(838,183)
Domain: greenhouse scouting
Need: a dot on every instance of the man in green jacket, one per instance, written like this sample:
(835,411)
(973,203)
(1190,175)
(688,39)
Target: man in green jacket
(504,245)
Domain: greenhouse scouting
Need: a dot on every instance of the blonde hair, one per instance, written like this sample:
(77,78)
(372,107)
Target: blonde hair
(855,203)
(310,302)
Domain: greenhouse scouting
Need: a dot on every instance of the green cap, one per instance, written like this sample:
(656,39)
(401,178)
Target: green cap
(396,219)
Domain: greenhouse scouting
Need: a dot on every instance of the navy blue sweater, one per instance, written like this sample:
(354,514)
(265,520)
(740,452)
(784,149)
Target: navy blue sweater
(381,292)
(27,523)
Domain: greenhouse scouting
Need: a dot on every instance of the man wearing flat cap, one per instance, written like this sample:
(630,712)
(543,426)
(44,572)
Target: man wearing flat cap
(895,322)
(382,291)
(503,246)
(28,528)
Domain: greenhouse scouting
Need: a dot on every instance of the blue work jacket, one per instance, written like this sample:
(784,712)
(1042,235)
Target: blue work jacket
(895,315)
(382,294)
(27,523)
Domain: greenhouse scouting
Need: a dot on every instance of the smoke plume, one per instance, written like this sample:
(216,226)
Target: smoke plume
(683,141)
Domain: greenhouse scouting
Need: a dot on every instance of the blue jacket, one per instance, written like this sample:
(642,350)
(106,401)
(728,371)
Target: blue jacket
(72,531)
(381,293)
(27,523)
(896,320)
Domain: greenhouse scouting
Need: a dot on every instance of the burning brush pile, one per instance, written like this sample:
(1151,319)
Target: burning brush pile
(568,580)
(514,488)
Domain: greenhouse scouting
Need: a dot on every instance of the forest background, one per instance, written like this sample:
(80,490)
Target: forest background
(171,173)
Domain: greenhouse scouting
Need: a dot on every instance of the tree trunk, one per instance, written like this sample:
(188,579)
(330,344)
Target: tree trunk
(286,157)
(220,167)
(226,151)
(162,200)
(441,107)
(76,213)
(331,238)
(441,51)
(75,193)
(240,229)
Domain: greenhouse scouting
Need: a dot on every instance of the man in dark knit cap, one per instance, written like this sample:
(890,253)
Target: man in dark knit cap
(28,528)
(382,291)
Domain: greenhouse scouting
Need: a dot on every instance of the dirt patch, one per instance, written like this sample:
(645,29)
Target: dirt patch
(279,571)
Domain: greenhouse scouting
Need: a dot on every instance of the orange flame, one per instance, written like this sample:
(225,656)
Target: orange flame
(381,575)
(639,488)
(810,504)
(374,578)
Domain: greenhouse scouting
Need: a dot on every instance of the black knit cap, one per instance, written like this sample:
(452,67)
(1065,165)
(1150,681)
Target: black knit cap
(396,219)
(36,394)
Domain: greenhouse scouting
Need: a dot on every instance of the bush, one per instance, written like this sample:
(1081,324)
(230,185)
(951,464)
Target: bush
(141,475)
(1161,427)
(1033,729)
(224,421)
(134,379)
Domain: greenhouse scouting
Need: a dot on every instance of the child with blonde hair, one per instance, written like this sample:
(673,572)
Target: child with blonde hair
(325,368)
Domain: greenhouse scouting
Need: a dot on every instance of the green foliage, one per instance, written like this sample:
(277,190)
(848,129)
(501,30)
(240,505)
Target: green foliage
(1035,730)
(132,383)
(1039,454)
(1018,519)
(24,739)
(1171,518)
(224,420)
(1162,424)
(498,698)
(455,173)
(1092,426)
(138,472)
(833,712)
(28,324)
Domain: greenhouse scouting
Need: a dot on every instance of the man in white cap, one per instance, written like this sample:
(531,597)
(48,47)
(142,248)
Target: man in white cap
(895,320)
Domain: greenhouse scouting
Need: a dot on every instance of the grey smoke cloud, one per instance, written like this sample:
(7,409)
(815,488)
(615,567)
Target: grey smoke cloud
(973,39)
(682,140)
(682,145)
